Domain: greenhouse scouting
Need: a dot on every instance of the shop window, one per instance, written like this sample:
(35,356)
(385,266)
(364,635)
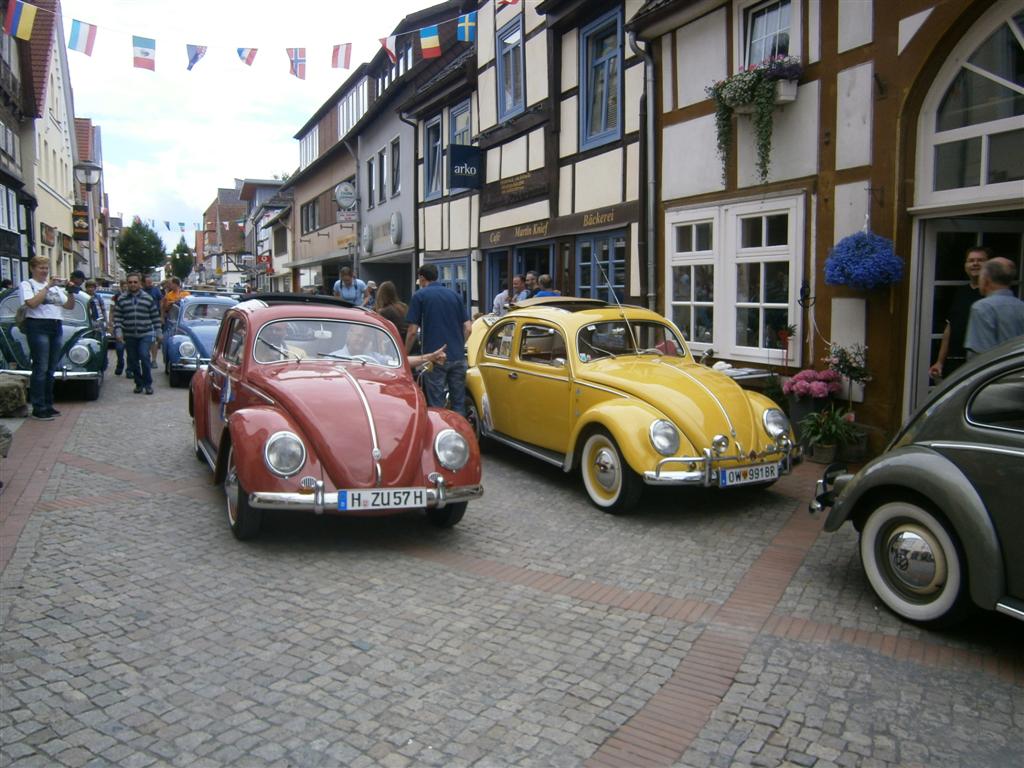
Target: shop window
(601,267)
(454,274)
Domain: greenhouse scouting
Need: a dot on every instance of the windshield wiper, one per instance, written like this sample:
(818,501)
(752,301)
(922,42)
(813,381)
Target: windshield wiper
(281,350)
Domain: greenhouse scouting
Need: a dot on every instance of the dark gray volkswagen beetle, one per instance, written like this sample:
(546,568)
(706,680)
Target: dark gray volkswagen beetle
(941,511)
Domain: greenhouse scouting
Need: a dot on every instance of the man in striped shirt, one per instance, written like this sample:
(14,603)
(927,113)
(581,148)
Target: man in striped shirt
(137,322)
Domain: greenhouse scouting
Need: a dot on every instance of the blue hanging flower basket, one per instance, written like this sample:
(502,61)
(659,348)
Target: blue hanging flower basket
(865,261)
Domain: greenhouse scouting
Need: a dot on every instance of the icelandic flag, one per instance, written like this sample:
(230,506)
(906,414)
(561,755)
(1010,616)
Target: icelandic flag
(342,57)
(145,52)
(247,55)
(83,37)
(195,53)
(430,42)
(389,47)
(297,62)
(466,28)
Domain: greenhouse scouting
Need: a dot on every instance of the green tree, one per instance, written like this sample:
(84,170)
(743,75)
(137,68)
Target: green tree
(181,260)
(140,249)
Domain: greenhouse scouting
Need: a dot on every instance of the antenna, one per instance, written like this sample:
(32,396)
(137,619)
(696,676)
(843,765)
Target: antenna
(622,313)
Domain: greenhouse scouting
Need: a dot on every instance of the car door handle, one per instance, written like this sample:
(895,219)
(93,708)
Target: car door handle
(513,375)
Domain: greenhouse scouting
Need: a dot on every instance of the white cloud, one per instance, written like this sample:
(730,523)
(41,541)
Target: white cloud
(172,137)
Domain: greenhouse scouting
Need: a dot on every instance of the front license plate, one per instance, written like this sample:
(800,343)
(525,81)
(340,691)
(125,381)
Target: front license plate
(382,498)
(758,473)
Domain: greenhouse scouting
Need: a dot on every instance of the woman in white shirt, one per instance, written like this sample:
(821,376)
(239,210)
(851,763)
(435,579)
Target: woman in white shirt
(43,299)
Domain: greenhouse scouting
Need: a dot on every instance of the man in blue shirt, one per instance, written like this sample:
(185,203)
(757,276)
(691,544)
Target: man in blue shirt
(443,316)
(999,316)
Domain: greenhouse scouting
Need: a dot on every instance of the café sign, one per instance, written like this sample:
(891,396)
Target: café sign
(613,217)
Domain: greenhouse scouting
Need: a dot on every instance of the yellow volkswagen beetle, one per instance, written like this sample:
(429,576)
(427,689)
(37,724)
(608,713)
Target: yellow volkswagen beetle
(614,392)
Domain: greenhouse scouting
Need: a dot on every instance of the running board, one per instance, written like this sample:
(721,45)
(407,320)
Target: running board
(551,457)
(206,455)
(1011,607)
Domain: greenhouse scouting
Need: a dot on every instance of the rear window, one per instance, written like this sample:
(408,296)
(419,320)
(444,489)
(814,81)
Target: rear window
(999,403)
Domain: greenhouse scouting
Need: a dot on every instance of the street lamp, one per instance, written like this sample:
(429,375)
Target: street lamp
(87,173)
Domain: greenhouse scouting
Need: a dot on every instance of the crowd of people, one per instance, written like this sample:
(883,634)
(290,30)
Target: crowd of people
(980,316)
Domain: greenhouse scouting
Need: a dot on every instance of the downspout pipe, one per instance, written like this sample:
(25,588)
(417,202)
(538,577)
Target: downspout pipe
(651,206)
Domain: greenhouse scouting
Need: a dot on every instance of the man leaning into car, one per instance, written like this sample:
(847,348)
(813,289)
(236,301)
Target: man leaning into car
(137,323)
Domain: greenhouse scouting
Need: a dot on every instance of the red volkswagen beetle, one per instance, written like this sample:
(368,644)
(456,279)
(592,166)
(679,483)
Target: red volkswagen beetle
(309,403)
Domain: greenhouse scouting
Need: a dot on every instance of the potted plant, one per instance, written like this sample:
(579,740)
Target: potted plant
(850,363)
(863,260)
(809,392)
(824,431)
(755,91)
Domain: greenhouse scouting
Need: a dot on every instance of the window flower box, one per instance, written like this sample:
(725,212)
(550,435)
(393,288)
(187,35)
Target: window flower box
(785,93)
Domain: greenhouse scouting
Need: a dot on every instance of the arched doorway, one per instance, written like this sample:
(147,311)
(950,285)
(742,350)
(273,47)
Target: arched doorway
(969,185)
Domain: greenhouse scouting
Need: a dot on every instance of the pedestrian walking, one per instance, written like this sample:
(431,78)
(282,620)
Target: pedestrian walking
(137,323)
(999,316)
(443,316)
(392,308)
(157,293)
(43,299)
(118,343)
(97,312)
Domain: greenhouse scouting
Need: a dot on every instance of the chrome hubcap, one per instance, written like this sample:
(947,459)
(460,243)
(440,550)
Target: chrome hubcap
(915,559)
(606,470)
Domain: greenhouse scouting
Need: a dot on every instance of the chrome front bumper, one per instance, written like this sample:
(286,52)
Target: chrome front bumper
(189,363)
(320,501)
(705,470)
(61,375)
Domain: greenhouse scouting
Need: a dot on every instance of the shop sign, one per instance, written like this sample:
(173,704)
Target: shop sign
(80,222)
(600,219)
(515,189)
(465,166)
(47,235)
(67,243)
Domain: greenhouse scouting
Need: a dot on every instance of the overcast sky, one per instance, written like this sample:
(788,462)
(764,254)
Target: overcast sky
(172,137)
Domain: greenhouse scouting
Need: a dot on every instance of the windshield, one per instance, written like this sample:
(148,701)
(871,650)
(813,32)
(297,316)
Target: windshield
(214,313)
(74,316)
(614,338)
(325,340)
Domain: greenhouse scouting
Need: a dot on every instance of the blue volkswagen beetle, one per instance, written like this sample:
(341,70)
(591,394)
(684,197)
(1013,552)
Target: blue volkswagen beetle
(190,329)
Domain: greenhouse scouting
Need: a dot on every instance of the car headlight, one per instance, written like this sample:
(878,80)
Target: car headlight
(78,354)
(451,449)
(664,437)
(775,423)
(284,453)
(186,349)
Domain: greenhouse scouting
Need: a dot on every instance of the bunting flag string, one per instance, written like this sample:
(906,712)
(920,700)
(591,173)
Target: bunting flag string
(21,16)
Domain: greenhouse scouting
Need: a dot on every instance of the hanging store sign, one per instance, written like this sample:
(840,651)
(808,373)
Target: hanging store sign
(465,166)
(47,235)
(80,222)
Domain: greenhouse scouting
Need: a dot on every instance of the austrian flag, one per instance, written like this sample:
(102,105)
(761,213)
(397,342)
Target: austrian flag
(145,52)
(342,57)
(297,61)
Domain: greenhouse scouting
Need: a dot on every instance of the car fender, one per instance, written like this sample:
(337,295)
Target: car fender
(932,476)
(248,431)
(628,422)
(441,419)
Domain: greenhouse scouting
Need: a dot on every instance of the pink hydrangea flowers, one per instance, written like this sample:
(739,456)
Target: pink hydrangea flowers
(811,383)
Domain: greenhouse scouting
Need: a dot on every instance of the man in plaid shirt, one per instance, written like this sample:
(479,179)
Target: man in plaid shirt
(137,322)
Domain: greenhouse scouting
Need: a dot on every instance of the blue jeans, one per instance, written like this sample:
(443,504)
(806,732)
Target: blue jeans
(119,351)
(453,376)
(137,350)
(44,347)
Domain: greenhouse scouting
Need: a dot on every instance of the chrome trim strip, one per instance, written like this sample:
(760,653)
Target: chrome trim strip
(321,501)
(207,455)
(974,447)
(57,375)
(525,449)
(674,478)
(732,428)
(1009,610)
(264,397)
(373,426)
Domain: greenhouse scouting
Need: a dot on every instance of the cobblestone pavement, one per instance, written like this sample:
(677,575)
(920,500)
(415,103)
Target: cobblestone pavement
(707,630)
